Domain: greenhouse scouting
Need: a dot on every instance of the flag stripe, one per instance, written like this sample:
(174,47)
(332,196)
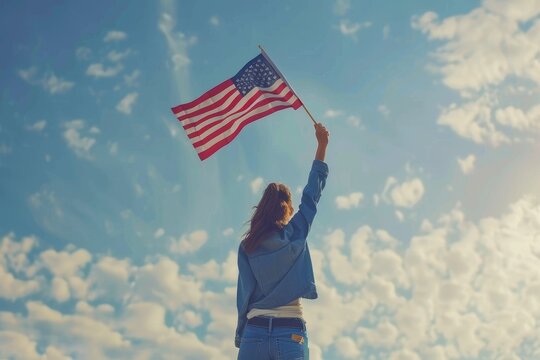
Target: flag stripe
(243,106)
(199,118)
(202,100)
(217,103)
(208,152)
(224,131)
(260,101)
(230,102)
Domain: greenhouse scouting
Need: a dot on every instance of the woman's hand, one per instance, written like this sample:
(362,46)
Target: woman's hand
(322,134)
(322,138)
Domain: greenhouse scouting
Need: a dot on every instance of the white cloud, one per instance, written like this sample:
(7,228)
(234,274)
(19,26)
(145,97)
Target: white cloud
(65,263)
(256,185)
(467,165)
(406,194)
(190,318)
(350,29)
(131,79)
(347,348)
(458,289)
(37,126)
(178,42)
(214,21)
(12,288)
(116,56)
(99,71)
(79,143)
(189,243)
(126,104)
(332,113)
(473,121)
(115,35)
(352,200)
(227,271)
(159,233)
(56,85)
(354,121)
(49,81)
(478,69)
(518,119)
(342,7)
(60,289)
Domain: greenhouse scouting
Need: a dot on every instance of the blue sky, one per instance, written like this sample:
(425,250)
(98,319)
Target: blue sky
(426,240)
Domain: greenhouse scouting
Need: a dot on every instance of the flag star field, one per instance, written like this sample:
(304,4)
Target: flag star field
(120,219)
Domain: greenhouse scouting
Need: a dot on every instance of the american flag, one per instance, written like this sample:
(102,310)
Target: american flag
(217,117)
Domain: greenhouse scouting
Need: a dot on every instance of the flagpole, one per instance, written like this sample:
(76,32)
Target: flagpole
(285,80)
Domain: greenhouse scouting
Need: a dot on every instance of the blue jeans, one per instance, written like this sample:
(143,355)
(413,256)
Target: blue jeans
(273,343)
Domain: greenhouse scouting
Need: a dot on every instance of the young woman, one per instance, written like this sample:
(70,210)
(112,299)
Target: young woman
(275,269)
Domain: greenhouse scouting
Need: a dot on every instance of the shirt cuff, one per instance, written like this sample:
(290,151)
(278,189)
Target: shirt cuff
(320,166)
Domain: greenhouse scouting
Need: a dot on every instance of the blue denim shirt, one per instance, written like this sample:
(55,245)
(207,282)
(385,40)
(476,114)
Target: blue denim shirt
(280,270)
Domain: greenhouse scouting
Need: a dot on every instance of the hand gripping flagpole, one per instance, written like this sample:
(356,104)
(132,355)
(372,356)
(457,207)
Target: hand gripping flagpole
(285,80)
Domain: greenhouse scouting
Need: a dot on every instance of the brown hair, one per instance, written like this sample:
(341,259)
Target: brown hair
(270,214)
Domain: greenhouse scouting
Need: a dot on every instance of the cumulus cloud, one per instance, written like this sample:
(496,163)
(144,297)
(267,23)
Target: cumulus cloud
(116,56)
(76,141)
(342,7)
(98,70)
(476,68)
(467,164)
(350,29)
(332,113)
(188,243)
(115,35)
(37,126)
(457,289)
(126,104)
(405,194)
(48,81)
(350,201)
(178,42)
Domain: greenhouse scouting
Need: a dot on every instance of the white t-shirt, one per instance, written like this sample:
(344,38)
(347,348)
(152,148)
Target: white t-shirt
(292,309)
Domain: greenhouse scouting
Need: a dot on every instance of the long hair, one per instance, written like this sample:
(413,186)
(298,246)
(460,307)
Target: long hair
(270,214)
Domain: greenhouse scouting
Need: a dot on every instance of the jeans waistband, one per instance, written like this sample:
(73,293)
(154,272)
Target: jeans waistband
(269,322)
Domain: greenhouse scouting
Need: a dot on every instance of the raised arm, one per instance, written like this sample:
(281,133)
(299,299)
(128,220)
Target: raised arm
(298,227)
(322,140)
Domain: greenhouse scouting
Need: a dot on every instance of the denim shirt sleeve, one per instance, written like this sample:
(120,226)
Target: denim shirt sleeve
(298,227)
(244,290)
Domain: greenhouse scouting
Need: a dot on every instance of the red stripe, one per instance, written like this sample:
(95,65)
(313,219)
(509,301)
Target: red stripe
(248,103)
(209,108)
(227,126)
(207,95)
(216,114)
(208,152)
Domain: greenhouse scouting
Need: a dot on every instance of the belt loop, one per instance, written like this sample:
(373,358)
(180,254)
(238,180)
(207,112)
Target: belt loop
(270,327)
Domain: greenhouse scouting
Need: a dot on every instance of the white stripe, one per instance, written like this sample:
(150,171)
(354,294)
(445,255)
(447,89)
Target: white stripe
(239,121)
(238,106)
(207,102)
(193,119)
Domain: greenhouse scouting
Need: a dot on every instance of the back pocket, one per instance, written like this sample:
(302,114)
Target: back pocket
(290,348)
(250,349)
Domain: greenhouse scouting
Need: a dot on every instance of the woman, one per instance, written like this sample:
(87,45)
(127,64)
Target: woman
(275,269)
